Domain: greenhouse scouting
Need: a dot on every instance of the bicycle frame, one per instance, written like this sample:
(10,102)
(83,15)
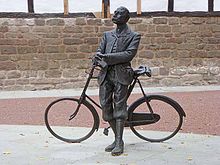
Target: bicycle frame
(84,95)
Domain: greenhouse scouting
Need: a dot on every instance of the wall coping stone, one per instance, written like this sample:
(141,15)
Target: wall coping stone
(91,15)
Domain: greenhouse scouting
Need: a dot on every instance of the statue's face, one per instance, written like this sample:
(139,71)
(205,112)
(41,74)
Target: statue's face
(121,16)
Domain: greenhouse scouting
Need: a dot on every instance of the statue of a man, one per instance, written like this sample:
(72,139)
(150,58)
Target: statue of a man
(117,48)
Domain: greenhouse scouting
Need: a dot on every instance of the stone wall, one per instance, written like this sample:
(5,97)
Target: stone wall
(53,53)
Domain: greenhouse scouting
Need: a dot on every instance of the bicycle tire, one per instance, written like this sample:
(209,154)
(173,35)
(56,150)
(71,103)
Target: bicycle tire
(166,103)
(60,104)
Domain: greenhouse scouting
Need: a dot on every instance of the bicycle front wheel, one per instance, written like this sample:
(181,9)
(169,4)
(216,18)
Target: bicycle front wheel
(80,128)
(164,125)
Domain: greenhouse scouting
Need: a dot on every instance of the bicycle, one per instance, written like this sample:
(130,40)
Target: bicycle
(154,118)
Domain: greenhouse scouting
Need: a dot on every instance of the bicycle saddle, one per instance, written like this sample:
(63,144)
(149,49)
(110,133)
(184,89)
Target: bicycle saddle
(142,70)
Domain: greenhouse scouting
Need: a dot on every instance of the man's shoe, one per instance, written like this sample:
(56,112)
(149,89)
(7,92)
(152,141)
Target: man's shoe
(119,149)
(110,147)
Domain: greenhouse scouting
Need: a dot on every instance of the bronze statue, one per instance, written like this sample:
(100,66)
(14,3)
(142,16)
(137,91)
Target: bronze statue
(117,48)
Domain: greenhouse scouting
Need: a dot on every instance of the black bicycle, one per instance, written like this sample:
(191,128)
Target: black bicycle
(154,118)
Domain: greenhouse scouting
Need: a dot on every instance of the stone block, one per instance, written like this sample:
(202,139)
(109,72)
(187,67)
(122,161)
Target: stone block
(52,35)
(141,28)
(183,61)
(212,20)
(176,28)
(163,29)
(178,71)
(52,49)
(72,41)
(70,73)
(51,41)
(14,74)
(26,50)
(214,54)
(41,29)
(22,81)
(192,79)
(73,29)
(198,54)
(163,71)
(76,56)
(39,22)
(33,42)
(151,28)
(7,65)
(55,22)
(177,40)
(38,65)
(20,42)
(2,74)
(152,35)
(163,54)
(9,82)
(8,50)
(108,22)
(170,82)
(197,62)
(198,70)
(80,21)
(56,29)
(1,35)
(56,56)
(183,53)
(23,65)
(89,29)
(6,42)
(68,85)
(215,70)
(155,71)
(71,49)
(160,20)
(5,58)
(53,64)
(94,21)
(53,73)
(86,48)
(146,54)
(91,40)
(145,40)
(3,29)
(135,21)
(173,21)
(168,63)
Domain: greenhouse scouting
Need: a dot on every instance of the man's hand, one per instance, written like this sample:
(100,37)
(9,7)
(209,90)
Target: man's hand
(98,60)
(99,54)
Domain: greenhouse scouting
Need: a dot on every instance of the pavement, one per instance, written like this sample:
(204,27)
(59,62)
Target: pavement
(33,144)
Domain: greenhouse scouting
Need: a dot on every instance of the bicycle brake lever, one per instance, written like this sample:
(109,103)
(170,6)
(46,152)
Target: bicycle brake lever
(148,71)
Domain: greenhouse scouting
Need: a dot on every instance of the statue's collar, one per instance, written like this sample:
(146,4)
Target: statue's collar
(124,32)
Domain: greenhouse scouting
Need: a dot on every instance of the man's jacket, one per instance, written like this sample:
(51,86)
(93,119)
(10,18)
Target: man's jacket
(126,49)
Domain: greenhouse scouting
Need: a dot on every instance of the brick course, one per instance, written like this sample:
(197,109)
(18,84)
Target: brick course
(53,53)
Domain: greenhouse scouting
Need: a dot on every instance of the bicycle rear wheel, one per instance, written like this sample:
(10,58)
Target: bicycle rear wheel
(169,116)
(80,128)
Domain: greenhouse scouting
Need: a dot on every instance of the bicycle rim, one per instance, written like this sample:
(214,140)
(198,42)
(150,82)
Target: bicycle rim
(81,127)
(169,123)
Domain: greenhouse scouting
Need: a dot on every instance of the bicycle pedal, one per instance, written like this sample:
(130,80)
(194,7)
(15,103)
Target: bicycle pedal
(105,132)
